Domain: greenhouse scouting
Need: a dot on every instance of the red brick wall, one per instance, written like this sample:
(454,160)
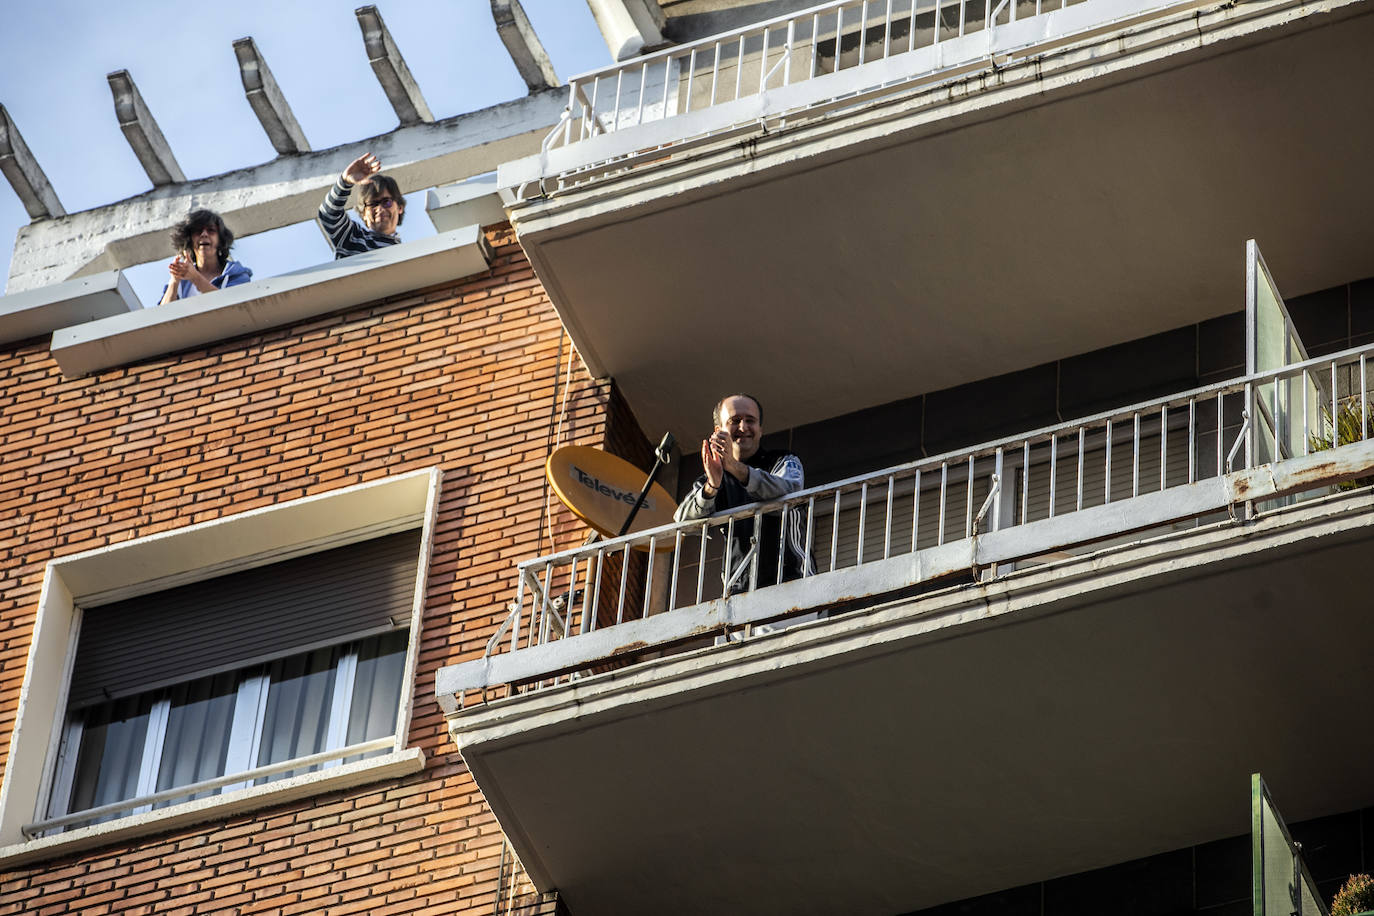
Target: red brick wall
(469,377)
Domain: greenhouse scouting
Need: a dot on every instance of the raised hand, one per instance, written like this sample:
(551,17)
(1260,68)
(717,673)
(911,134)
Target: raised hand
(711,463)
(362,168)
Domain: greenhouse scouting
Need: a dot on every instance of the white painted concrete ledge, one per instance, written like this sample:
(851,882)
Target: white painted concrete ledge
(319,290)
(42,311)
(390,766)
(475,201)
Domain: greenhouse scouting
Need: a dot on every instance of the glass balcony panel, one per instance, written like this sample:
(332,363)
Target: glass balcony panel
(1283,885)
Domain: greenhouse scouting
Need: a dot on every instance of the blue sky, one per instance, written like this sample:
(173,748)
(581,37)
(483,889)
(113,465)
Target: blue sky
(54,55)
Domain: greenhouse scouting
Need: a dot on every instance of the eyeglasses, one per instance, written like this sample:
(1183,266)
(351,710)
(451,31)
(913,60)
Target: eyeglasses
(382,203)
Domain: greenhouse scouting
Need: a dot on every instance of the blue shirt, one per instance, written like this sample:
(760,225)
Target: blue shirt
(233,274)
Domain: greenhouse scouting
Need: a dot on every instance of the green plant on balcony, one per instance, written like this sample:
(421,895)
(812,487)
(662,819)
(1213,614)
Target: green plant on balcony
(1349,428)
(1355,898)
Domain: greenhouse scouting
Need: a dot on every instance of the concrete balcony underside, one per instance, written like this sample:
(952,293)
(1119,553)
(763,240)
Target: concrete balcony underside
(1061,718)
(1095,194)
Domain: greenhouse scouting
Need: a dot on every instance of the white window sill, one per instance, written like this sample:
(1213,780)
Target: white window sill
(391,766)
(36,312)
(318,290)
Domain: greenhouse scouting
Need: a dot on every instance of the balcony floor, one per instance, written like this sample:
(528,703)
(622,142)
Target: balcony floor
(1059,719)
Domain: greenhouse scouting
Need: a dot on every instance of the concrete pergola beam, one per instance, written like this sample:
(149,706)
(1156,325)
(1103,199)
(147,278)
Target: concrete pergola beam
(525,48)
(142,132)
(630,27)
(24,173)
(268,102)
(386,60)
(279,193)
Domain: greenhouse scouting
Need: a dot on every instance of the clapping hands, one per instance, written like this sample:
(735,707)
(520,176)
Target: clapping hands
(183,268)
(718,459)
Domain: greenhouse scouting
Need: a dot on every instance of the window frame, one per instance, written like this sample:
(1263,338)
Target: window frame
(157,562)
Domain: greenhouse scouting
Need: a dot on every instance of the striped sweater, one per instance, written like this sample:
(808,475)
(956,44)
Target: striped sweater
(348,237)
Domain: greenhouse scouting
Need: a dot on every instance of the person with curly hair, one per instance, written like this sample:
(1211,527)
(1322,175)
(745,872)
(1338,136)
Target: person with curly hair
(202,264)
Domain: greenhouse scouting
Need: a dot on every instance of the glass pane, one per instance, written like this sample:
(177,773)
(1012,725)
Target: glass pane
(1272,351)
(1278,866)
(1271,324)
(296,723)
(1283,885)
(1290,418)
(1310,906)
(198,726)
(377,688)
(1319,420)
(107,765)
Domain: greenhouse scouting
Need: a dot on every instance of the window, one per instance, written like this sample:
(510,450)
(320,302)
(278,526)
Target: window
(305,704)
(228,675)
(225,666)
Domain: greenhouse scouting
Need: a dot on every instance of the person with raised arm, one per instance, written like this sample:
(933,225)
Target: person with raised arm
(381,205)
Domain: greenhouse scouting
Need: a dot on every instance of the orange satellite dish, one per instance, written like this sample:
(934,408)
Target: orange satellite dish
(601,489)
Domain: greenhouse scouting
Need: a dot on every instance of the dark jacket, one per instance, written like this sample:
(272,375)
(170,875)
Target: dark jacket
(773,474)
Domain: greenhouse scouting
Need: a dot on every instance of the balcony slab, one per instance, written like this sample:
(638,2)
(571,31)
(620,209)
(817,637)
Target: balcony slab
(1052,721)
(1097,193)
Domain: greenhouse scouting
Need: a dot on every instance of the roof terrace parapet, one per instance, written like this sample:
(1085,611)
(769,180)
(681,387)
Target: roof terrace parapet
(423,151)
(284,191)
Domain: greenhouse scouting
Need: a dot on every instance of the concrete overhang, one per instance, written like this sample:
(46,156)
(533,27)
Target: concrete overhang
(1088,195)
(1056,720)
(276,301)
(286,190)
(476,201)
(42,311)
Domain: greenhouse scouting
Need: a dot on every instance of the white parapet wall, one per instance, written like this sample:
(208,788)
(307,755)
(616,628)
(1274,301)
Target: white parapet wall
(41,311)
(318,290)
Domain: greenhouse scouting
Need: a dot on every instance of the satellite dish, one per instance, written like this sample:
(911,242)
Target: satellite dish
(601,489)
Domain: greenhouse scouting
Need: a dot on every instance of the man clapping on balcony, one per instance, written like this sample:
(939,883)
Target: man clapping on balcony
(739,472)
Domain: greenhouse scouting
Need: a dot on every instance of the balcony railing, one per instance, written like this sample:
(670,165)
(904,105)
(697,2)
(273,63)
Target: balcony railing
(795,67)
(1203,455)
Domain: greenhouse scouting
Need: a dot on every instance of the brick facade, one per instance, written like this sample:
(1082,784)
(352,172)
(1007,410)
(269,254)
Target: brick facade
(472,377)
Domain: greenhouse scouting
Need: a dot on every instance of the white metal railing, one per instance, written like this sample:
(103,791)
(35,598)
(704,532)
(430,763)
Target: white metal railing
(1177,459)
(804,63)
(775,53)
(209,786)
